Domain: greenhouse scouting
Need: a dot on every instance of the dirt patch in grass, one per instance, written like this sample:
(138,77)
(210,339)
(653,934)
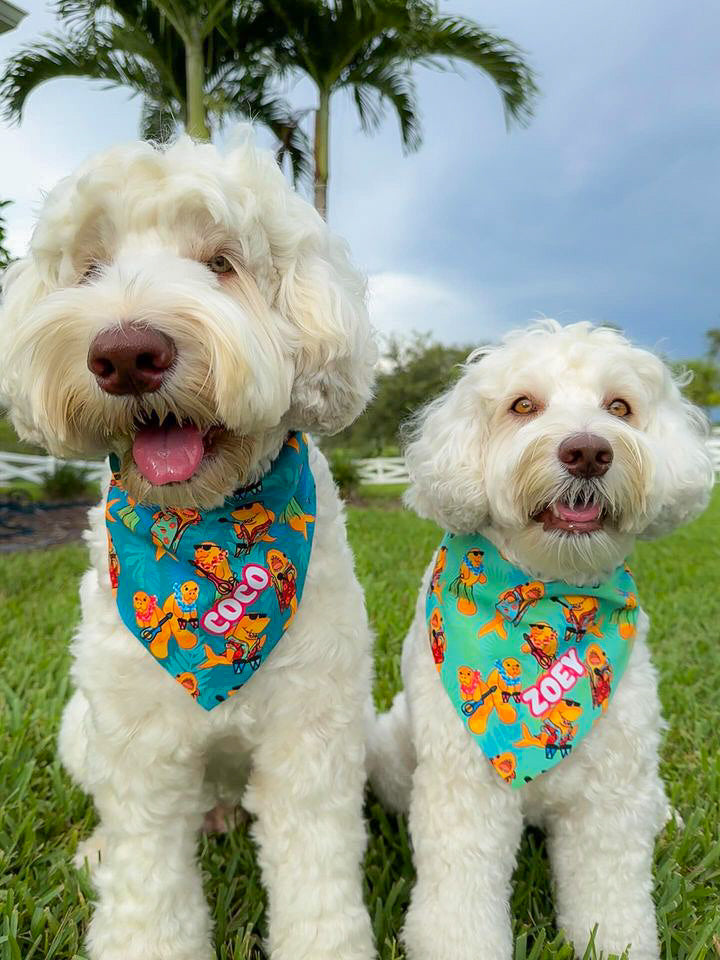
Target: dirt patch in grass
(29,525)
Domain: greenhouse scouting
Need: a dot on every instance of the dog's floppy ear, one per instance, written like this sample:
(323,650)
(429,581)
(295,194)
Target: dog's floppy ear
(684,477)
(324,297)
(445,459)
(21,286)
(11,273)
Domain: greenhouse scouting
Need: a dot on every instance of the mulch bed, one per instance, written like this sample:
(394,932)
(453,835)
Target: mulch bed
(26,524)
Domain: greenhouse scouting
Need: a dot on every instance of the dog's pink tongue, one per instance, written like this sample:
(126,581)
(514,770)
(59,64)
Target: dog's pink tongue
(590,511)
(168,453)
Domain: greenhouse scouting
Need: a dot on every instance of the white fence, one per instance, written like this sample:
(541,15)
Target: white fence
(371,470)
(22,466)
(714,447)
(374,470)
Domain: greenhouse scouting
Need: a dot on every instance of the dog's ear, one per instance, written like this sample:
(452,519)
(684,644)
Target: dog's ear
(21,286)
(11,273)
(317,290)
(445,456)
(684,476)
(324,297)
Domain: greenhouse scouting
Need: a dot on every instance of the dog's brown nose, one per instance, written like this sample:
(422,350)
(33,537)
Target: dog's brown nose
(131,359)
(585,455)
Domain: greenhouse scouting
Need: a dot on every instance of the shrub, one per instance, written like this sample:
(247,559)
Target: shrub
(345,474)
(67,483)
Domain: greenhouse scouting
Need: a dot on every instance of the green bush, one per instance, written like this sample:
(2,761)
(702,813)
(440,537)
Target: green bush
(10,441)
(345,474)
(67,482)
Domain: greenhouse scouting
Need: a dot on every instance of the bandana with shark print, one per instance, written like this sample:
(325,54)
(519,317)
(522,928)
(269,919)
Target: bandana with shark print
(529,665)
(210,593)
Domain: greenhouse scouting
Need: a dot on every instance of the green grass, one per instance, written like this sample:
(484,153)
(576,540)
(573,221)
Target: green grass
(23,490)
(44,903)
(381,492)
(10,442)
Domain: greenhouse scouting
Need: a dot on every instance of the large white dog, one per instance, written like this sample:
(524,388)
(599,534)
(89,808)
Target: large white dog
(556,450)
(186,310)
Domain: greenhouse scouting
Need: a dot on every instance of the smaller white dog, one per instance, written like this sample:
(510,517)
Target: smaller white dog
(548,458)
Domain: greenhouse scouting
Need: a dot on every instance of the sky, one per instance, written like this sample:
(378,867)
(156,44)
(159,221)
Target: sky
(605,208)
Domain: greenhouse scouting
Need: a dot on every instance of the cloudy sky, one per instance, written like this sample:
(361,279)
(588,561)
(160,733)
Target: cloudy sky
(607,207)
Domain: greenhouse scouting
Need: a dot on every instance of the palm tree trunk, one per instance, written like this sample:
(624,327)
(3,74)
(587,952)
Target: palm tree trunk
(195,124)
(322,152)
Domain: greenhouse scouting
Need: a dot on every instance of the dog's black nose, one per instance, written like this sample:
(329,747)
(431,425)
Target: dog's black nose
(131,359)
(585,455)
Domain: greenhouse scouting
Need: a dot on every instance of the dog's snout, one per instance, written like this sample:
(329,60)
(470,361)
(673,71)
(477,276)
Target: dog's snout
(131,359)
(585,455)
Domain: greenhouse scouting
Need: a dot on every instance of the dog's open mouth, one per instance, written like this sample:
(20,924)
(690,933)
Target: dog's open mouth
(585,517)
(171,451)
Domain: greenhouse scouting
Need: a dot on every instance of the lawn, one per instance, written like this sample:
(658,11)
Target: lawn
(44,903)
(10,441)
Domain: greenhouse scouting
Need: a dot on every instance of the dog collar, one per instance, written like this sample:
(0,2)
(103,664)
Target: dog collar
(210,593)
(529,665)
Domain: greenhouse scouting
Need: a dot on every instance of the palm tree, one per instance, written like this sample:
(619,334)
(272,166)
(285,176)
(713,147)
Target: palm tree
(179,55)
(199,61)
(4,252)
(369,48)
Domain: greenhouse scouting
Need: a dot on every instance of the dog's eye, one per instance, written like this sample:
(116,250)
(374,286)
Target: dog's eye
(523,406)
(220,264)
(619,408)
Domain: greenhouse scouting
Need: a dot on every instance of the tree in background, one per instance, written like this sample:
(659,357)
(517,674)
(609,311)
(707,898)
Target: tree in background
(713,343)
(198,62)
(4,252)
(194,64)
(412,372)
(369,50)
(704,388)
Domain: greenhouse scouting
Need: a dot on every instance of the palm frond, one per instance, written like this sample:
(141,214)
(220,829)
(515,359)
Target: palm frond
(244,93)
(158,121)
(81,14)
(52,57)
(144,64)
(375,84)
(295,29)
(370,107)
(439,40)
(293,145)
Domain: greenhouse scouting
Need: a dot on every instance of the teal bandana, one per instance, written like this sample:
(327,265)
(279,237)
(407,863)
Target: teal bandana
(529,665)
(209,594)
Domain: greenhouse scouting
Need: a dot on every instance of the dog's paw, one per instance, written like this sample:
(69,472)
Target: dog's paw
(90,851)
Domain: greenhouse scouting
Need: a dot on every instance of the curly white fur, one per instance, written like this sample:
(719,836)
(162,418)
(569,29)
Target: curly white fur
(477,467)
(285,344)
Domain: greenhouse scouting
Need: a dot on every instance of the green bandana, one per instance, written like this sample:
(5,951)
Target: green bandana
(529,665)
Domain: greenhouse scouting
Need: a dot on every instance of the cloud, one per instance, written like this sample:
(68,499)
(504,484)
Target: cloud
(402,303)
(32,171)
(64,121)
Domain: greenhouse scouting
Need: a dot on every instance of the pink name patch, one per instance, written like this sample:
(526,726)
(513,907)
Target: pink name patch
(226,612)
(554,683)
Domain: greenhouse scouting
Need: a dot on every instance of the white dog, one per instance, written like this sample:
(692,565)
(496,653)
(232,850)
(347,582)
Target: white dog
(559,448)
(186,311)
